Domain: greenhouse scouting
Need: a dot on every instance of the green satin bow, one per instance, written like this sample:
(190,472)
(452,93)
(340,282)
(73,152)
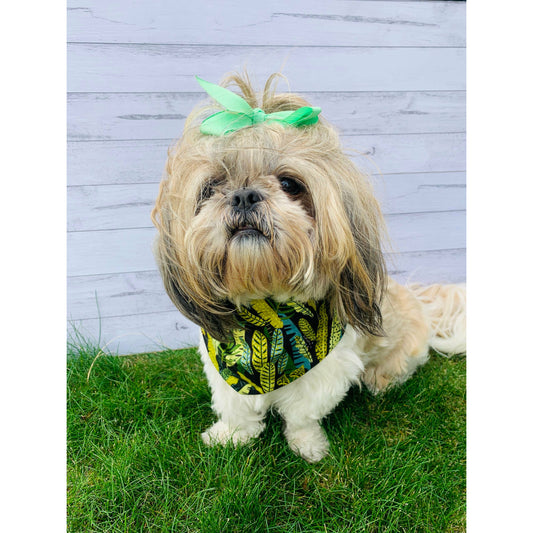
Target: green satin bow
(239,114)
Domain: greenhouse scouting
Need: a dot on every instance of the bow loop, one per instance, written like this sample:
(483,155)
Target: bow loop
(239,114)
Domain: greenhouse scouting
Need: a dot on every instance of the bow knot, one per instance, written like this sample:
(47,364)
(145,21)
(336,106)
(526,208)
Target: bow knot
(239,114)
(258,116)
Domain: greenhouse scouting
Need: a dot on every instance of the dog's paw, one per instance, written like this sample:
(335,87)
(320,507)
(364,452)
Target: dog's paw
(310,443)
(222,433)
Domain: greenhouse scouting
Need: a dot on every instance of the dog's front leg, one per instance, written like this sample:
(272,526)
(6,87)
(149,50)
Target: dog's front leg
(306,401)
(240,417)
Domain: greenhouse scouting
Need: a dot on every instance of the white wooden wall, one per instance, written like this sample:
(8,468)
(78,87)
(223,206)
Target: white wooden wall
(389,74)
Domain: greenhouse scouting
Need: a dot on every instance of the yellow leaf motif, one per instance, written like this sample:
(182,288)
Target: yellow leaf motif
(283,380)
(242,350)
(336,334)
(299,308)
(267,313)
(268,377)
(322,333)
(298,373)
(259,350)
(249,382)
(250,317)
(306,329)
(276,345)
(232,380)
(246,389)
(238,336)
(302,348)
(231,358)
(282,361)
(211,349)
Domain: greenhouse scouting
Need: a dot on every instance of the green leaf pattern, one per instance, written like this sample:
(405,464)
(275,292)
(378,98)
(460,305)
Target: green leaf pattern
(262,356)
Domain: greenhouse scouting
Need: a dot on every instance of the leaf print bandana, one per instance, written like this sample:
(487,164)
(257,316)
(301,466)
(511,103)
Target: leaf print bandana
(278,343)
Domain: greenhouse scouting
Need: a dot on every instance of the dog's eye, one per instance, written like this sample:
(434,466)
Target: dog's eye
(208,190)
(290,186)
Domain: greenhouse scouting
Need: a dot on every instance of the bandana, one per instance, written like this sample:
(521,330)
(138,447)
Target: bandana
(276,344)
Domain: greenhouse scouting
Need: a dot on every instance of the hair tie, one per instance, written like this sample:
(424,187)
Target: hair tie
(239,114)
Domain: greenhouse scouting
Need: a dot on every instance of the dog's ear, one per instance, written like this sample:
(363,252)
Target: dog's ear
(218,320)
(355,230)
(181,285)
(363,279)
(360,289)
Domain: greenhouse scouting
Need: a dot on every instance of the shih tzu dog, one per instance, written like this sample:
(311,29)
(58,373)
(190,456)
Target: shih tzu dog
(270,239)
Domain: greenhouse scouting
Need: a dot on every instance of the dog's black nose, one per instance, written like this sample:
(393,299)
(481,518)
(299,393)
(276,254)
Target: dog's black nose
(244,199)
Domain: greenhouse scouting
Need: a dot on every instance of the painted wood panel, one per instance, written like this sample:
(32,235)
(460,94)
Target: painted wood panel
(278,22)
(129,250)
(390,74)
(112,116)
(114,162)
(135,333)
(171,68)
(97,207)
(111,295)
(435,266)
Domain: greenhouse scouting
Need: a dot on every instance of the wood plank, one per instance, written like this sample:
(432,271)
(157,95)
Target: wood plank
(114,162)
(136,332)
(419,193)
(427,231)
(129,250)
(97,207)
(332,23)
(111,295)
(170,68)
(110,251)
(162,115)
(436,266)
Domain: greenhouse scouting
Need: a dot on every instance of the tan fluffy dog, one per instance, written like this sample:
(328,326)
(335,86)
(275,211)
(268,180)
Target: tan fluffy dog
(280,214)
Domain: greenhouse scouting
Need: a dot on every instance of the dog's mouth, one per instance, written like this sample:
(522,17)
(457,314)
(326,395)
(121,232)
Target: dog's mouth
(248,226)
(246,230)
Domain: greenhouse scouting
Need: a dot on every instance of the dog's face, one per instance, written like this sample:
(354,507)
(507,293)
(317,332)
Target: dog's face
(268,211)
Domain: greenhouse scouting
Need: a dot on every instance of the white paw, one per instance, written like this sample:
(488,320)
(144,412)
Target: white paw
(222,433)
(310,442)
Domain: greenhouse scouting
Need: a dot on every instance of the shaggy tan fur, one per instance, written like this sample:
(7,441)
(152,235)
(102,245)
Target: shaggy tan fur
(310,228)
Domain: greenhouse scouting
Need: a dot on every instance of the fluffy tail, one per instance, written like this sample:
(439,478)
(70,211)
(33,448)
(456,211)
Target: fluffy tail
(445,306)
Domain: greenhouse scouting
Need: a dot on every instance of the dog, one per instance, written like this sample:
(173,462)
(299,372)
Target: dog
(271,240)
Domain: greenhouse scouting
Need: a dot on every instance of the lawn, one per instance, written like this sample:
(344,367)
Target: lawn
(136,462)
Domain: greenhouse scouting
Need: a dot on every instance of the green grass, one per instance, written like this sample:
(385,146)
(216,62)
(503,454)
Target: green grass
(136,461)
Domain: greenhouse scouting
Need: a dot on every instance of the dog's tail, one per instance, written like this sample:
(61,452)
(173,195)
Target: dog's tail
(445,306)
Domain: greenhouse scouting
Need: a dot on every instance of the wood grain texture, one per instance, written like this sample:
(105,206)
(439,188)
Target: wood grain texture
(99,207)
(171,68)
(127,162)
(118,116)
(111,295)
(389,74)
(278,22)
(129,250)
(135,333)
